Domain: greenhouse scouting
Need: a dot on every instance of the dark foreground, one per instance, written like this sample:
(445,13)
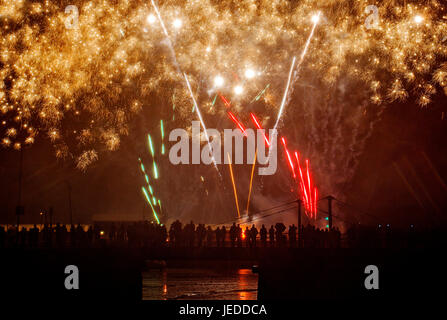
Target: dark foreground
(284,273)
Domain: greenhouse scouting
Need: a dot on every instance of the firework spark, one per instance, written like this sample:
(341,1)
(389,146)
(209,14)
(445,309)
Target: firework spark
(150,203)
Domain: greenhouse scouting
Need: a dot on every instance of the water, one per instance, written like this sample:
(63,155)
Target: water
(198,283)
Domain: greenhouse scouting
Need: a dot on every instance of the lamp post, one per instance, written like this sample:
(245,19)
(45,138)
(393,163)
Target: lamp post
(299,223)
(70,208)
(19,208)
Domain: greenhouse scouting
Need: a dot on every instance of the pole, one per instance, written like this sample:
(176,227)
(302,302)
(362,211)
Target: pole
(69,203)
(329,199)
(299,223)
(51,217)
(19,202)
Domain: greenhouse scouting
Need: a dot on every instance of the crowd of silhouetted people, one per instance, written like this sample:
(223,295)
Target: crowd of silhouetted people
(147,234)
(236,236)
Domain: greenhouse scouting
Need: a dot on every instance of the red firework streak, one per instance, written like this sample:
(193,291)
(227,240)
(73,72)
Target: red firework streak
(310,201)
(309,188)
(231,115)
(292,167)
(256,122)
(224,100)
(302,183)
(237,122)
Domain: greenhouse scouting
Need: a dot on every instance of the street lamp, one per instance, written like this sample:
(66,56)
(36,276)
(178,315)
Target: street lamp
(69,201)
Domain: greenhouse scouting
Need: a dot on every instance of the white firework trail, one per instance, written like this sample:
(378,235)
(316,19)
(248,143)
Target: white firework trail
(165,31)
(286,97)
(196,107)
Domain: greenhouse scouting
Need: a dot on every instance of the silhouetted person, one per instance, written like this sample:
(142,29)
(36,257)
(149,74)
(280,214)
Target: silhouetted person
(247,237)
(11,235)
(233,234)
(337,238)
(190,233)
(263,235)
(253,235)
(292,235)
(164,235)
(201,233)
(389,236)
(239,236)
(177,232)
(223,235)
(171,235)
(272,236)
(280,227)
(47,236)
(217,236)
(209,237)
(34,236)
(23,237)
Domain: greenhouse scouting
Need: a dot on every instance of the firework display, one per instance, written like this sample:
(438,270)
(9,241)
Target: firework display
(188,150)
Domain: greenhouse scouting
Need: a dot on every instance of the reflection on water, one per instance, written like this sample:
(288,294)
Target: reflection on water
(204,284)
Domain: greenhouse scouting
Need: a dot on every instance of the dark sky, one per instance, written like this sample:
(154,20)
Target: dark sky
(402,174)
